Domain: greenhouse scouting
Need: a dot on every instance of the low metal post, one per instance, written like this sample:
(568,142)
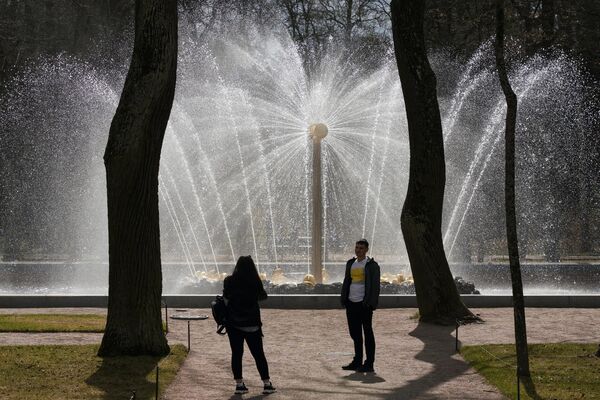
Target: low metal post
(456,337)
(166,318)
(189,347)
(156,390)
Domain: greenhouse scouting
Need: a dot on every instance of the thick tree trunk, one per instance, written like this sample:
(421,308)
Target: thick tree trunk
(131,159)
(511,216)
(421,220)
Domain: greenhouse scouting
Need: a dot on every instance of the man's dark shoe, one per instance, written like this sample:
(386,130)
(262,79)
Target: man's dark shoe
(353,366)
(365,368)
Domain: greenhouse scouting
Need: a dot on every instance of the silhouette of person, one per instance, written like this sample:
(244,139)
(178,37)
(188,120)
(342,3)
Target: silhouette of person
(360,295)
(242,290)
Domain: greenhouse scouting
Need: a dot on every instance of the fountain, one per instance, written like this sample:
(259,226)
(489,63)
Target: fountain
(239,174)
(317,133)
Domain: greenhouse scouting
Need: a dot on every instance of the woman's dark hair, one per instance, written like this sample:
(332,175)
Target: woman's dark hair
(245,272)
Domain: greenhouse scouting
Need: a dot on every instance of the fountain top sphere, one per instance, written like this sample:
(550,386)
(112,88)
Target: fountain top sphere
(318,131)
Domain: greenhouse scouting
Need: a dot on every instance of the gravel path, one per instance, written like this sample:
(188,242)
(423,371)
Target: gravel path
(306,348)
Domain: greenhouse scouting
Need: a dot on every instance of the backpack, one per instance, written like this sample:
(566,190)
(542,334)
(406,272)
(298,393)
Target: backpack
(219,312)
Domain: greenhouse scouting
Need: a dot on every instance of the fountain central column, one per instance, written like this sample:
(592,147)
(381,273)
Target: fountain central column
(317,132)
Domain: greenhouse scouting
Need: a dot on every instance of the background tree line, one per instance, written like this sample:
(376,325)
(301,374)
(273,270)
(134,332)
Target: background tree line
(102,31)
(29,28)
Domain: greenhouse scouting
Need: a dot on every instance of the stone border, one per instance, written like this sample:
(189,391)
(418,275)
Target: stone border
(299,301)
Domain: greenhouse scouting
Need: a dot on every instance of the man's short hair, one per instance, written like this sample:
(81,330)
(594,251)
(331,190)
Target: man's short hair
(363,242)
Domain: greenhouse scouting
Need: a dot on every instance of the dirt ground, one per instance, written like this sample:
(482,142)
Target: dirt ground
(306,348)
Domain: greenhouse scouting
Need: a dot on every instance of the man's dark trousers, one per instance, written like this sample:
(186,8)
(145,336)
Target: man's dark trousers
(360,317)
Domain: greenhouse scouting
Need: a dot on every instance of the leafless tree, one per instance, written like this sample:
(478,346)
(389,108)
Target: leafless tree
(421,220)
(132,157)
(509,194)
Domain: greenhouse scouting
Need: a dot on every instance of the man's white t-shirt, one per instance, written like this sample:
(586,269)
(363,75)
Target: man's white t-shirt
(357,287)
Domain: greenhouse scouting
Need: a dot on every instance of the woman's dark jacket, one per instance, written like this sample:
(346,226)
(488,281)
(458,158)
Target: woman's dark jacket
(372,283)
(243,298)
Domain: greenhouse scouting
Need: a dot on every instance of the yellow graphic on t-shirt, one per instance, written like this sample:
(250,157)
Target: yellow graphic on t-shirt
(357,274)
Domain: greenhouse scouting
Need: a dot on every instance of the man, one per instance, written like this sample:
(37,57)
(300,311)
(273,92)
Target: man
(360,294)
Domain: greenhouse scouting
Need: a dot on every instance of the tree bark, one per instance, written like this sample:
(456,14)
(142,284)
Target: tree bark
(349,22)
(421,219)
(547,17)
(509,190)
(131,159)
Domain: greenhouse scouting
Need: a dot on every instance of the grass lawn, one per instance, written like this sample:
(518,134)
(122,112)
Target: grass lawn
(558,371)
(75,372)
(53,323)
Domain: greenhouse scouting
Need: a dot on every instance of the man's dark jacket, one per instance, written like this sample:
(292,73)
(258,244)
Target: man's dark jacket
(372,283)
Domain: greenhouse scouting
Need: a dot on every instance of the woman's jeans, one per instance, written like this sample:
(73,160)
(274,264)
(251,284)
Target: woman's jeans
(360,318)
(254,340)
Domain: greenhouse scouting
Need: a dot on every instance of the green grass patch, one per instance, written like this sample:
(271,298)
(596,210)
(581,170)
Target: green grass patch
(75,372)
(53,323)
(558,371)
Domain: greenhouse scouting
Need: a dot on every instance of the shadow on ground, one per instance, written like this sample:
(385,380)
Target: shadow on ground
(255,397)
(368,378)
(118,377)
(530,388)
(438,350)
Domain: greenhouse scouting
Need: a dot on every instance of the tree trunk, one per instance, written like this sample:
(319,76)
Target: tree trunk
(547,17)
(583,204)
(131,159)
(421,220)
(348,26)
(509,190)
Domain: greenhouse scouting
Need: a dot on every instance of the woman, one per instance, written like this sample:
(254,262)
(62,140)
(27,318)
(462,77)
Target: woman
(242,291)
